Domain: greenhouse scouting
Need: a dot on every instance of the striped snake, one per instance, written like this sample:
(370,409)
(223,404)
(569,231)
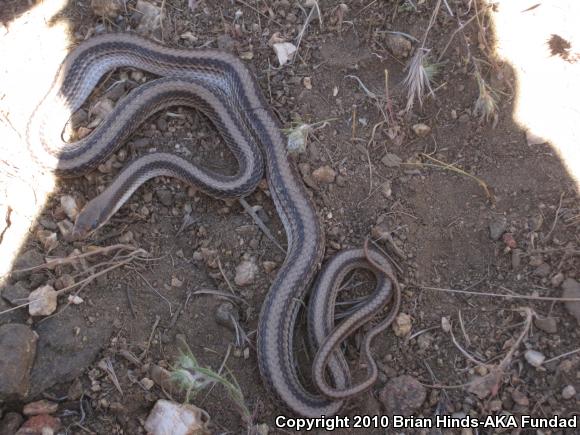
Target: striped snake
(223,88)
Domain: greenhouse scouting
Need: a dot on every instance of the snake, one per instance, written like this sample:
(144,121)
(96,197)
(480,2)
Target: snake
(223,88)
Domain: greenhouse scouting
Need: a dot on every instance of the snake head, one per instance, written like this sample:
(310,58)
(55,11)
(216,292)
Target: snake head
(88,221)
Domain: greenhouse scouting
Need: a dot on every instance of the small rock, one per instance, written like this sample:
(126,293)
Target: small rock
(269,266)
(147,383)
(536,260)
(516,259)
(391,160)
(557,280)
(106,8)
(151,17)
(509,240)
(424,341)
(176,282)
(17,352)
(568,392)
(402,325)
(165,197)
(40,407)
(386,189)
(75,299)
(116,91)
(520,398)
(40,425)
(63,281)
(398,45)
(66,228)
(16,294)
(284,51)
(126,237)
(69,205)
(571,289)
(28,259)
(245,273)
(43,301)
(173,418)
(402,395)
(307,82)
(421,130)
(48,239)
(226,43)
(324,175)
(542,270)
(10,423)
(546,324)
(75,391)
(445,324)
(534,358)
(534,139)
(226,314)
(497,227)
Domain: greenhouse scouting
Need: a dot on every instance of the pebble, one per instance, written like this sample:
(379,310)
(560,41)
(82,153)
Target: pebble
(16,294)
(10,423)
(497,227)
(391,160)
(17,352)
(269,266)
(43,301)
(421,130)
(245,273)
(116,91)
(48,239)
(534,358)
(386,189)
(568,392)
(63,281)
(177,419)
(106,8)
(165,197)
(126,237)
(516,258)
(65,227)
(147,383)
(40,407)
(402,395)
(70,207)
(225,314)
(398,45)
(40,425)
(543,270)
(520,398)
(571,289)
(225,42)
(546,324)
(402,325)
(176,282)
(557,280)
(324,175)
(30,258)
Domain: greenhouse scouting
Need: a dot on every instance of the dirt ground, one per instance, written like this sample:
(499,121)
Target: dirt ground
(442,222)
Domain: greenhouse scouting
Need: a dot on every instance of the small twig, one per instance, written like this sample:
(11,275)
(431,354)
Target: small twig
(106,365)
(499,295)
(219,263)
(564,355)
(556,217)
(72,258)
(467,340)
(258,12)
(219,294)
(157,320)
(260,224)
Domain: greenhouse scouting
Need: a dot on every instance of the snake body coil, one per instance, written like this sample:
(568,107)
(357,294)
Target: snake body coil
(222,87)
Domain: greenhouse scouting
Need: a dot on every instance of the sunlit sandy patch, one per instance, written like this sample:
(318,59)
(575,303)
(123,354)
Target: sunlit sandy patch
(31,48)
(548,85)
